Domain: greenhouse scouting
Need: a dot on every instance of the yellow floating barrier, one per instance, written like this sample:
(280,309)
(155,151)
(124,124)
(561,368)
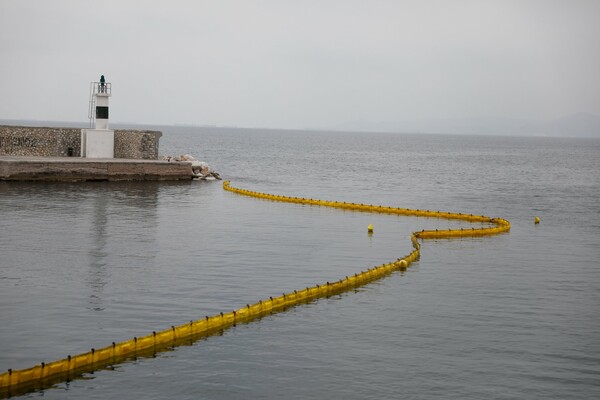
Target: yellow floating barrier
(43,375)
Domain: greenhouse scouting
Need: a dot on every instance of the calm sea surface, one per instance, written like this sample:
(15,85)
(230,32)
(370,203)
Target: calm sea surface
(514,316)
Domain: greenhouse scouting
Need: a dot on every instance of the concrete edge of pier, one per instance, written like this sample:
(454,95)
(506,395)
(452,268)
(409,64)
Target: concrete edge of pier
(75,169)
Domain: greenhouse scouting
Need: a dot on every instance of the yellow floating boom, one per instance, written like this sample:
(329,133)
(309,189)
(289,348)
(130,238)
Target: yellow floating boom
(46,374)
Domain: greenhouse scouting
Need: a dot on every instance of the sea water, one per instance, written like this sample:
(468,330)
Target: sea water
(506,317)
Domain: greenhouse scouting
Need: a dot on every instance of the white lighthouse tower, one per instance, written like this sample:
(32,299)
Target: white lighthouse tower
(98,142)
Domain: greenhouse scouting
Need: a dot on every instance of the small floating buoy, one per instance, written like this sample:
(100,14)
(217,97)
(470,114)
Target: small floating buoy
(370,228)
(536,220)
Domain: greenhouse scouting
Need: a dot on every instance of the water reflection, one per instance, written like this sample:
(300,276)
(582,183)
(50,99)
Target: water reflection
(121,212)
(98,274)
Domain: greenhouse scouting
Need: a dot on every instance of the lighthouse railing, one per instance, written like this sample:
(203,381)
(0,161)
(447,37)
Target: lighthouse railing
(101,88)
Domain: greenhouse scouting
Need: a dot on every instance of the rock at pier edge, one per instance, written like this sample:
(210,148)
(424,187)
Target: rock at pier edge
(200,169)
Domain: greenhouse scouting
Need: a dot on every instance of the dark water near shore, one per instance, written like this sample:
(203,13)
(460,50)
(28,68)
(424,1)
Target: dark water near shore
(507,317)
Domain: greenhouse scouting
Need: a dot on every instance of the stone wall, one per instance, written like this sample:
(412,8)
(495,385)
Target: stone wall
(136,144)
(39,141)
(57,142)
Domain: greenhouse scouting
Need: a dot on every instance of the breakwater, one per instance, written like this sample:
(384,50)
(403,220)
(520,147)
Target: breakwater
(76,169)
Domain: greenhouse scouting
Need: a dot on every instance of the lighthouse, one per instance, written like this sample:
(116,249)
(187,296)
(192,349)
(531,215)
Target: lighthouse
(98,142)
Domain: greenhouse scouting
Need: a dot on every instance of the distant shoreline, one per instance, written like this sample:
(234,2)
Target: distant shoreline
(580,125)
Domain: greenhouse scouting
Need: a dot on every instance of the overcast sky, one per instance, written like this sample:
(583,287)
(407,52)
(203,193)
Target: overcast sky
(299,64)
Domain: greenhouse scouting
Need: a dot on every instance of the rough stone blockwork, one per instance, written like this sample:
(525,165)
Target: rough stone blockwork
(38,141)
(137,144)
(59,142)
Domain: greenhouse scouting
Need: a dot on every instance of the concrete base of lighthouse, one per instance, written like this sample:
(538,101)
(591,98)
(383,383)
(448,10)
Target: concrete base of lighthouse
(97,143)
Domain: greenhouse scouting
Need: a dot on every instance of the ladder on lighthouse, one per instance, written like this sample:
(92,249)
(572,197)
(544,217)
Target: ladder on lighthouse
(92,108)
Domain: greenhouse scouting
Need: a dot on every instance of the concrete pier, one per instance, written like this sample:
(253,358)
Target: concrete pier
(75,169)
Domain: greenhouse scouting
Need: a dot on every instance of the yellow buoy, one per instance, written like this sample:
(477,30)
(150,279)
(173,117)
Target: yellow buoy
(536,220)
(370,228)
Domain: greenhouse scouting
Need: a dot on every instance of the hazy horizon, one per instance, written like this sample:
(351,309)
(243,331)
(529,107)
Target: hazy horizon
(301,65)
(575,126)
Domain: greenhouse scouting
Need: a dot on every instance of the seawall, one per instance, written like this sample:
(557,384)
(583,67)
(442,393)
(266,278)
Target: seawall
(62,142)
(76,169)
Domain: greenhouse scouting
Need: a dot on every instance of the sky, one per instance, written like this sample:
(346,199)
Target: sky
(300,64)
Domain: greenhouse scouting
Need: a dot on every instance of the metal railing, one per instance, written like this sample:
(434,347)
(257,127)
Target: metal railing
(101,88)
